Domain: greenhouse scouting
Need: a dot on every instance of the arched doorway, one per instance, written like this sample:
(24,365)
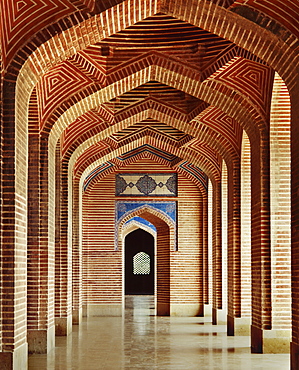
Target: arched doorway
(139,263)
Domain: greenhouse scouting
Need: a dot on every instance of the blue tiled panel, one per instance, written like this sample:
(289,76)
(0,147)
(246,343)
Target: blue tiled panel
(123,209)
(143,222)
(168,208)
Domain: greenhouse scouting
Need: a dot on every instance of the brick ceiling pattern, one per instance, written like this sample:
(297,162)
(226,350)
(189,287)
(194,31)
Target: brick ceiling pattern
(161,112)
(284,12)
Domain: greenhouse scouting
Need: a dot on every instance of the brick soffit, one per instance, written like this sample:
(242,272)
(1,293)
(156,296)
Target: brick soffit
(61,77)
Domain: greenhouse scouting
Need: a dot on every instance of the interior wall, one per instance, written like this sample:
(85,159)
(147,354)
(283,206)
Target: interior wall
(102,265)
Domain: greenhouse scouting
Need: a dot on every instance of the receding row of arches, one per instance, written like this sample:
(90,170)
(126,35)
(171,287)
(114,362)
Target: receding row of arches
(230,250)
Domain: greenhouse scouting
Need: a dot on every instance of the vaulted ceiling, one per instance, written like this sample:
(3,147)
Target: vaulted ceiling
(151,80)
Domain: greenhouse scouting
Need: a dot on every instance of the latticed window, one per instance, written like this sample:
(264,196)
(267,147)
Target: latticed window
(141,264)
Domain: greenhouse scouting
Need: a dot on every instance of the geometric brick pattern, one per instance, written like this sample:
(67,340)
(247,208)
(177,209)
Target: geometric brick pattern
(192,172)
(287,15)
(107,85)
(249,78)
(20,19)
(63,80)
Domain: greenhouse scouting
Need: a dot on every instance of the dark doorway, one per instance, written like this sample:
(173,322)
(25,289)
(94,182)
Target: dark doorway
(139,263)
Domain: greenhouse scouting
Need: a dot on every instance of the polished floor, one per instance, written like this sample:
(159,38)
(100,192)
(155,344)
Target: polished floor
(141,340)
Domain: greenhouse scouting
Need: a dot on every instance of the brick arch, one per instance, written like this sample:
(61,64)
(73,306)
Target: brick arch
(166,236)
(212,125)
(134,225)
(245,94)
(275,17)
(241,31)
(185,168)
(232,103)
(205,15)
(214,142)
(153,215)
(16,22)
(31,70)
(218,141)
(202,160)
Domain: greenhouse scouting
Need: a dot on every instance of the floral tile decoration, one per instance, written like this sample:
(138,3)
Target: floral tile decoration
(145,184)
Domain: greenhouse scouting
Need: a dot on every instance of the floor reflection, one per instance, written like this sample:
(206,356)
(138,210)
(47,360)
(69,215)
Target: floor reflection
(141,340)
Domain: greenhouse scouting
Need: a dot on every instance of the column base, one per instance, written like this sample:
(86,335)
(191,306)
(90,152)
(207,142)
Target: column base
(104,310)
(270,341)
(238,326)
(16,360)
(84,310)
(207,310)
(41,341)
(294,356)
(77,316)
(63,326)
(163,309)
(218,316)
(186,310)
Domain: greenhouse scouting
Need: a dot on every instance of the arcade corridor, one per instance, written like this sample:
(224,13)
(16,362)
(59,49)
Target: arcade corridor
(175,118)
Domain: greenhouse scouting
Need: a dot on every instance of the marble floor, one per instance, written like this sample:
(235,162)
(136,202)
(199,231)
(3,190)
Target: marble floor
(141,340)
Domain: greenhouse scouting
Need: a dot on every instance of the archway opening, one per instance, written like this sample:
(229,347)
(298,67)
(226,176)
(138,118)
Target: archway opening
(139,263)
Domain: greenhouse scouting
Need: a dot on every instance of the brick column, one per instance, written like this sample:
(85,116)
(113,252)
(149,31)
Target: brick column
(202,246)
(1,194)
(209,252)
(217,252)
(295,229)
(63,255)
(224,210)
(163,268)
(40,281)
(76,257)
(205,250)
(201,249)
(260,243)
(234,249)
(13,248)
(245,238)
(280,197)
